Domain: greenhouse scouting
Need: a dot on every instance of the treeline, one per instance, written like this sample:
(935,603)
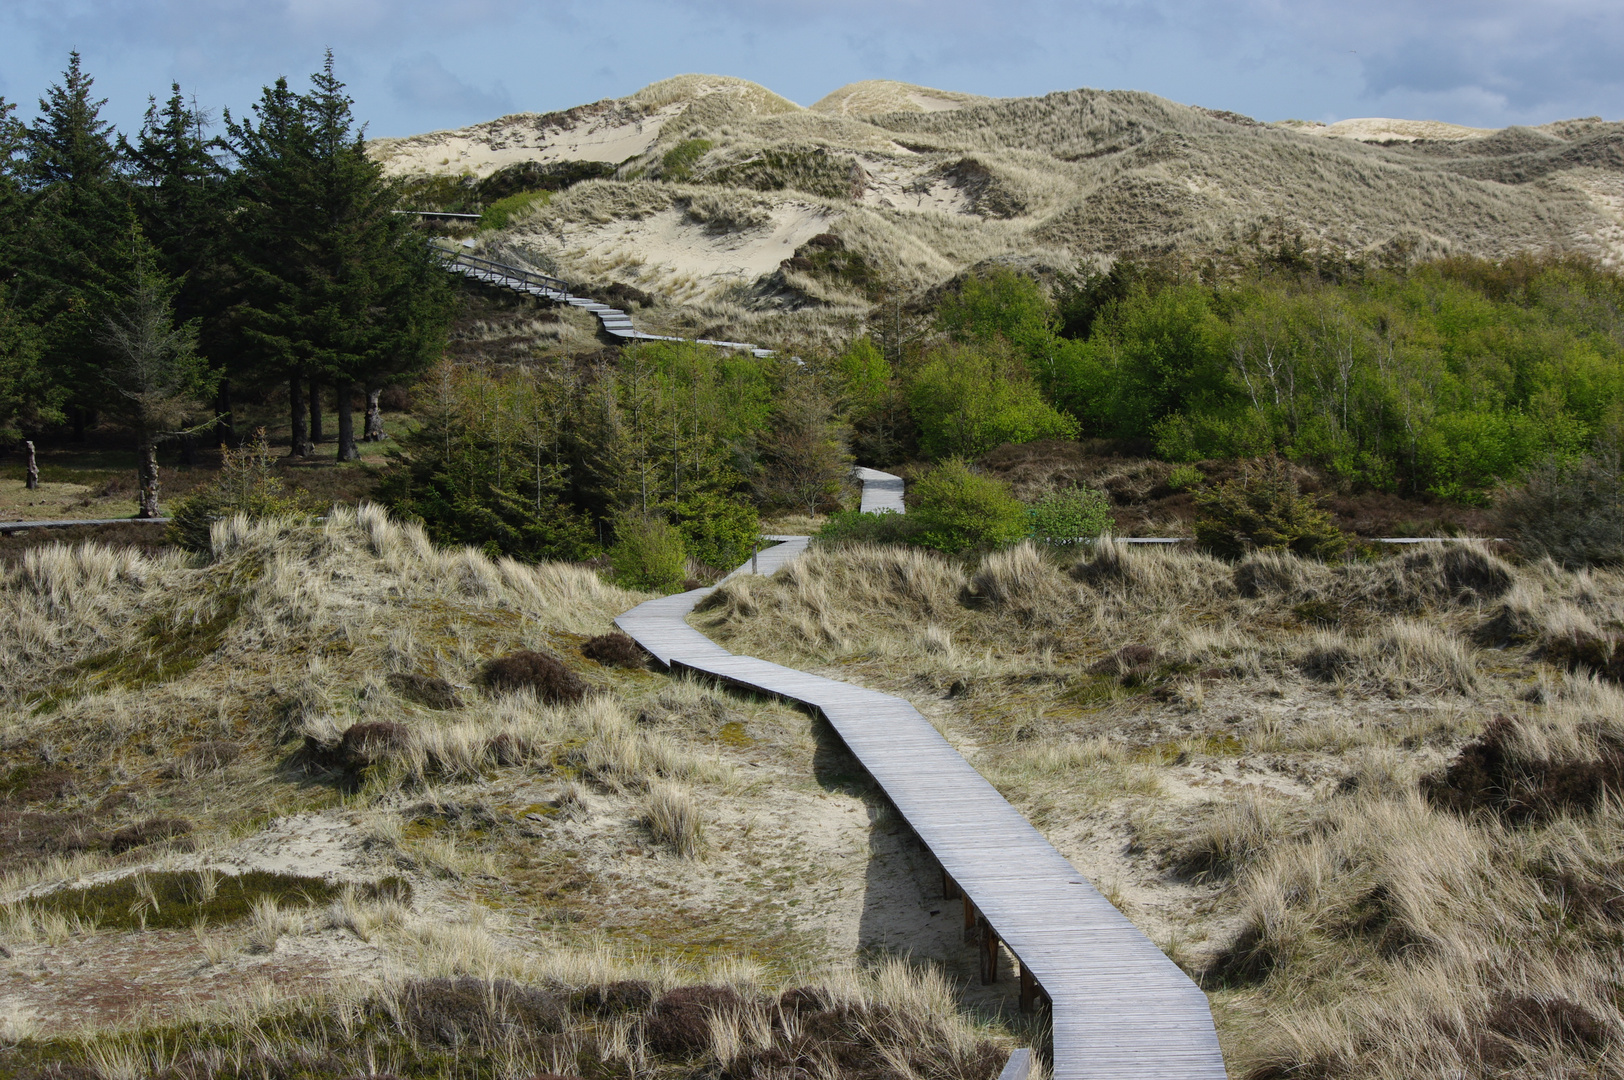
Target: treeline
(1442,380)
(145,277)
(668,443)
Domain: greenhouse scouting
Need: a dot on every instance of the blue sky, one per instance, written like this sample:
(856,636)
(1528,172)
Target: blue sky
(417,65)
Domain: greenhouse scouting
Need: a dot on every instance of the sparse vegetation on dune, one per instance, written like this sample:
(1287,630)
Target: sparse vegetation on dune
(1371,804)
(323,751)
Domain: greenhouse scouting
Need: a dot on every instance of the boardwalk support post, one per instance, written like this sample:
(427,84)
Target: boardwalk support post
(970,912)
(987,942)
(950,888)
(1029,989)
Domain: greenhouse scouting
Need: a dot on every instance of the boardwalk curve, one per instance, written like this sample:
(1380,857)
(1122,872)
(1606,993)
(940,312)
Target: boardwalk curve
(615,322)
(1120,1008)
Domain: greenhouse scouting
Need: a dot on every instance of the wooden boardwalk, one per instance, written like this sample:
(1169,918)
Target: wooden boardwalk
(615,322)
(1120,1008)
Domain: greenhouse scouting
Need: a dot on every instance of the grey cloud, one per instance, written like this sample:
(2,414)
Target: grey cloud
(423,83)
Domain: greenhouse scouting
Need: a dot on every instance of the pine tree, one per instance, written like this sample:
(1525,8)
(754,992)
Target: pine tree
(181,196)
(338,287)
(154,376)
(74,212)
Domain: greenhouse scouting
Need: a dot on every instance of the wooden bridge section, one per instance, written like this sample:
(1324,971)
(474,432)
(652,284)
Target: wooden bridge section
(1120,1008)
(615,322)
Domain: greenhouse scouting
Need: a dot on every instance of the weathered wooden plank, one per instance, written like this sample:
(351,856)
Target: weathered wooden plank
(1121,1009)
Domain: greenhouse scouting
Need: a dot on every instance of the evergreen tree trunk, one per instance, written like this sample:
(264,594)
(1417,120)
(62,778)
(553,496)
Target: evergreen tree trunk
(374,422)
(346,422)
(300,444)
(32,482)
(225,428)
(147,475)
(315,411)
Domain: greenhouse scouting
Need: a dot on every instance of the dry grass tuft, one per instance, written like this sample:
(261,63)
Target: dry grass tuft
(673,818)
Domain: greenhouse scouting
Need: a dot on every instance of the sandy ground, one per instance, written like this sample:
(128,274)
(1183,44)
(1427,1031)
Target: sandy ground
(1383,129)
(885,96)
(610,134)
(672,250)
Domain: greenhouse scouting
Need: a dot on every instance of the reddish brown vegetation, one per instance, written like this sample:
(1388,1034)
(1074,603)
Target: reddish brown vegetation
(543,673)
(615,650)
(427,690)
(1491,774)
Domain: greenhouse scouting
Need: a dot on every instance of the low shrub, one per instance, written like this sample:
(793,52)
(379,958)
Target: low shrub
(247,485)
(368,743)
(956,509)
(1577,651)
(1265,510)
(151,831)
(856,527)
(1573,513)
(543,673)
(429,691)
(615,650)
(1495,773)
(455,1012)
(648,554)
(1071,515)
(679,1022)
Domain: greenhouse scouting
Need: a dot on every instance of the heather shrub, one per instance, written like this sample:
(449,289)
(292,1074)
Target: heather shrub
(615,650)
(1573,513)
(540,672)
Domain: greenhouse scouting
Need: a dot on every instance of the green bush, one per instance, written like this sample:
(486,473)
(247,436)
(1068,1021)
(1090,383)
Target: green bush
(247,485)
(1572,512)
(955,510)
(1064,517)
(716,529)
(678,163)
(1265,510)
(969,399)
(1185,477)
(856,527)
(499,213)
(648,554)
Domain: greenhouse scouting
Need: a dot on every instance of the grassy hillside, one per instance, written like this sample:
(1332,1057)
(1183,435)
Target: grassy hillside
(723,181)
(275,808)
(1372,806)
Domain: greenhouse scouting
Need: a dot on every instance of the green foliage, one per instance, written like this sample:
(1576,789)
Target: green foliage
(803,460)
(247,485)
(499,213)
(1185,477)
(485,467)
(717,528)
(815,172)
(1265,510)
(1572,512)
(865,375)
(1073,514)
(648,554)
(1448,379)
(856,527)
(677,164)
(968,399)
(955,509)
(1000,304)
(28,397)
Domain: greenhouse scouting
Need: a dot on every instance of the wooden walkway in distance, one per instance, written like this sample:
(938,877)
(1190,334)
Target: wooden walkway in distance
(615,322)
(1120,1008)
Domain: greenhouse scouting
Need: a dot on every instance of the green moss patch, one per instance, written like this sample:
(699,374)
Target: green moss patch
(172,899)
